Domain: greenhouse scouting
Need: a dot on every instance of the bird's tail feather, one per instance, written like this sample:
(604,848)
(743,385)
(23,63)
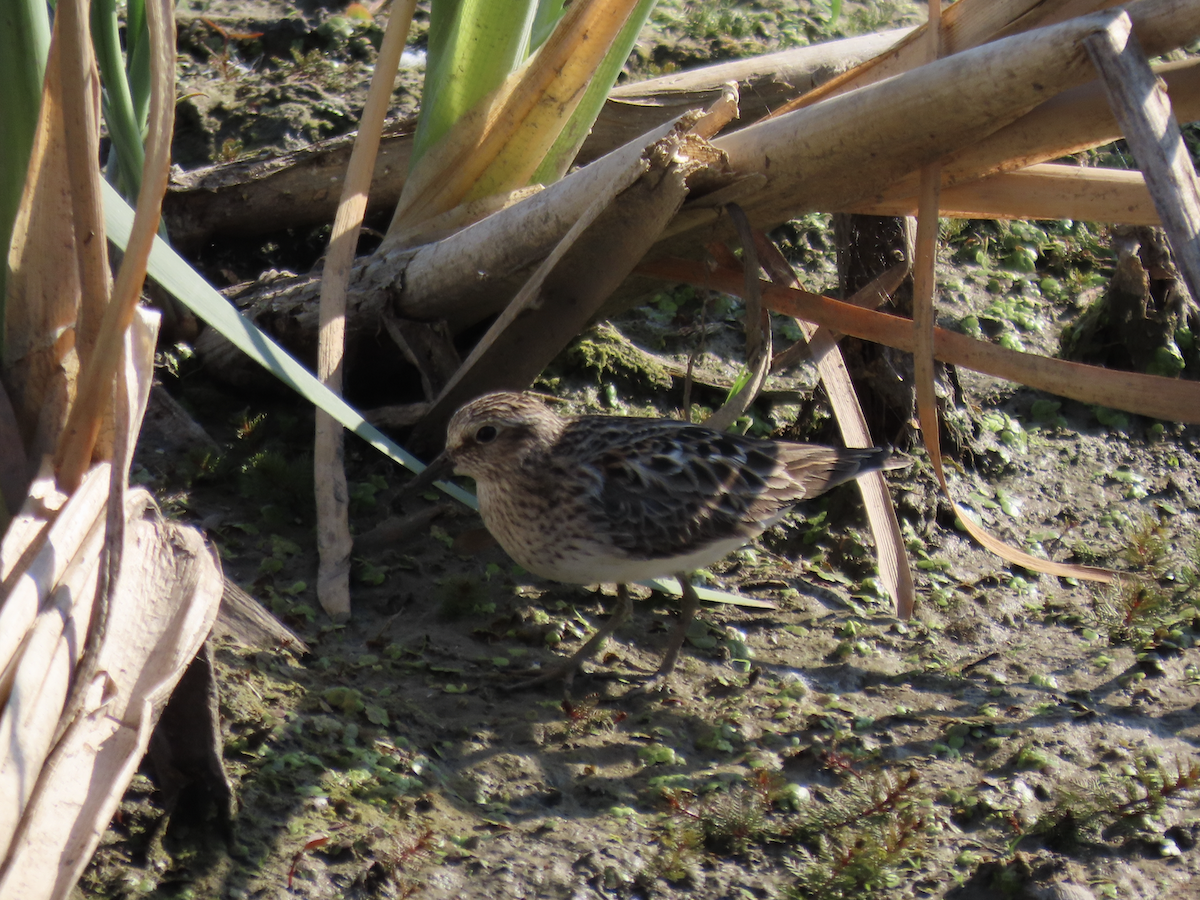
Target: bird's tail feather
(854,462)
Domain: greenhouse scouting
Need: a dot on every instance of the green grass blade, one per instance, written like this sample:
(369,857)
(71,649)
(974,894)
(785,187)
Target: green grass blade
(119,113)
(24,46)
(671,586)
(137,65)
(547,16)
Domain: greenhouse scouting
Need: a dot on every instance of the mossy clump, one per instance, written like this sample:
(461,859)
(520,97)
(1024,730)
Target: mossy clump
(606,352)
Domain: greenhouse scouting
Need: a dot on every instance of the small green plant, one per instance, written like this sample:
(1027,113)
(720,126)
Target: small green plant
(363,493)
(1126,807)
(808,242)
(857,845)
(280,482)
(873,17)
(1154,604)
(736,28)
(728,823)
(852,845)
(1067,255)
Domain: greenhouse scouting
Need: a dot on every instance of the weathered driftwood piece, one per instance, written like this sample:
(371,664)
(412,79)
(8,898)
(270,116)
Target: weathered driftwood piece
(395,531)
(962,26)
(843,150)
(397,415)
(301,188)
(1039,192)
(763,81)
(489,260)
(242,198)
(495,255)
(1141,106)
(169,427)
(245,620)
(1075,120)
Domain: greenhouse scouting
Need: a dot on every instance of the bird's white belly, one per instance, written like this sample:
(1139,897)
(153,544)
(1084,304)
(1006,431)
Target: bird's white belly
(584,565)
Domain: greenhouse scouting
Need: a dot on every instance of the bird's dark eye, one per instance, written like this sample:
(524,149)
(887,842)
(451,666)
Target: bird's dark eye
(486,434)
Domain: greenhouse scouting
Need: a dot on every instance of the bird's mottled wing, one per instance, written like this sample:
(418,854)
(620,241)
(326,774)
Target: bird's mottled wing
(663,488)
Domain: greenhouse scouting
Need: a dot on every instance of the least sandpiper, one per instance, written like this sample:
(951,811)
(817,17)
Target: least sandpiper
(594,499)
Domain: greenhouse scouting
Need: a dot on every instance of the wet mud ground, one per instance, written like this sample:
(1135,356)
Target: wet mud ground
(1018,734)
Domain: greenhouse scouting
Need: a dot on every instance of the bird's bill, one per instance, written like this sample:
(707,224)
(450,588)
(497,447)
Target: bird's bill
(438,469)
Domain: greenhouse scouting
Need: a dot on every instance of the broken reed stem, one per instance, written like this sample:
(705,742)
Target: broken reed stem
(1143,110)
(332,496)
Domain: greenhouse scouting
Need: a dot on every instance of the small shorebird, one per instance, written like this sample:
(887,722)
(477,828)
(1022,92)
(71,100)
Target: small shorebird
(595,499)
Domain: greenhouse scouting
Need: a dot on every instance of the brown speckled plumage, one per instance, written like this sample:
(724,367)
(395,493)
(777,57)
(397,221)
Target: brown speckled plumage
(616,499)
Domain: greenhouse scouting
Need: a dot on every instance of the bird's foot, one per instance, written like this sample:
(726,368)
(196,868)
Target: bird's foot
(659,682)
(564,672)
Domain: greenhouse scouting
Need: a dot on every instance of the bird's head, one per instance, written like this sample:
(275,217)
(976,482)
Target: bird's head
(496,432)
